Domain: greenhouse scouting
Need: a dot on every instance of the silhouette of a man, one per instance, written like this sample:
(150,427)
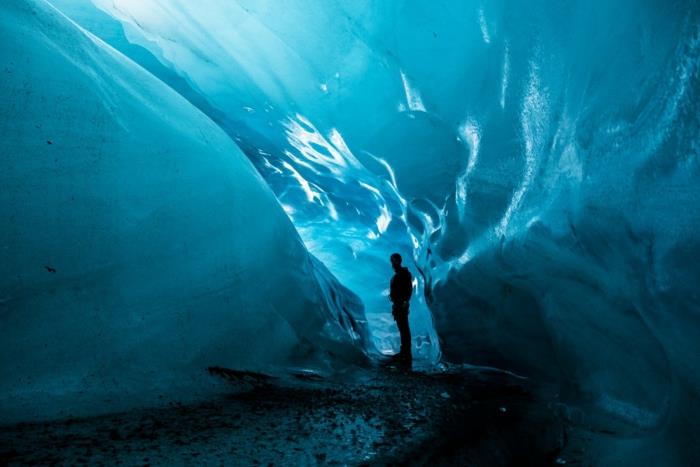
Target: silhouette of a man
(400,292)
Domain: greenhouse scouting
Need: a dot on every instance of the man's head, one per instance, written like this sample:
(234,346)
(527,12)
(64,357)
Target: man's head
(395,261)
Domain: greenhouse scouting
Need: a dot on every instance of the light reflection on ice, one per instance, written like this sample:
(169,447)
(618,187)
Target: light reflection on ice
(413,99)
(505,75)
(362,206)
(312,145)
(471,134)
(533,118)
(484,27)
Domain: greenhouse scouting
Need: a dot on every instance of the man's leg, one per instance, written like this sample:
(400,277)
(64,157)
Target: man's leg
(405,332)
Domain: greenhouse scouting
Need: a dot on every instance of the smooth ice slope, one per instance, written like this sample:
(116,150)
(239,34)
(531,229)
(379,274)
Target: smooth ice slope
(244,75)
(541,156)
(138,245)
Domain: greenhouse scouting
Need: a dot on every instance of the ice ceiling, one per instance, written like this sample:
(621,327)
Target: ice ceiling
(536,163)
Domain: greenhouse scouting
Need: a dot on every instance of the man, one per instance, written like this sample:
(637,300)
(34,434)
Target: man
(400,292)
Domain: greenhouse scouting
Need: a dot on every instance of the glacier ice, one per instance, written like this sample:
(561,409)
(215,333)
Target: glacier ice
(537,160)
(139,245)
(341,208)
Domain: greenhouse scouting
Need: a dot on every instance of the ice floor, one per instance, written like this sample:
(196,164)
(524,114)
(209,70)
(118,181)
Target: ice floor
(377,416)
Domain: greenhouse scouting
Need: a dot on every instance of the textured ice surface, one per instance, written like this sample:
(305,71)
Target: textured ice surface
(539,159)
(138,244)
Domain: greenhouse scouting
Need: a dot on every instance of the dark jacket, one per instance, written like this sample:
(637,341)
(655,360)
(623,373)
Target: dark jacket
(401,286)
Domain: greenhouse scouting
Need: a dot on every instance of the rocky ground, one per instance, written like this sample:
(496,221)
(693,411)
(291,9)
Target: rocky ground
(460,416)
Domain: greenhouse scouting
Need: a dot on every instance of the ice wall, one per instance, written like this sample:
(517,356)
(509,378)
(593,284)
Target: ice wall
(344,204)
(539,158)
(138,245)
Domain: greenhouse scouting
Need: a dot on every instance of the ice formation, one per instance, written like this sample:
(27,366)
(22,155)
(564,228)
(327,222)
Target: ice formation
(538,161)
(139,245)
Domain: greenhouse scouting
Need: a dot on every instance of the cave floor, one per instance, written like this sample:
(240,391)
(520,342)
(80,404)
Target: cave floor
(463,416)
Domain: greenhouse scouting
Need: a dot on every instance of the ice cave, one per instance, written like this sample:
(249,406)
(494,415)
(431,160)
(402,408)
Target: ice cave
(198,202)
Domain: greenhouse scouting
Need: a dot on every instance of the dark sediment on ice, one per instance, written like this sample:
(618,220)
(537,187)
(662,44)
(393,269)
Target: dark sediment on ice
(384,416)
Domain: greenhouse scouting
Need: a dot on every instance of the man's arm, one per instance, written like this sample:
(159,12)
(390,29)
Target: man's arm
(407,286)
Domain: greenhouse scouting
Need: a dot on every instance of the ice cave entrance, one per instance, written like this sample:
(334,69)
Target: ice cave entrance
(352,219)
